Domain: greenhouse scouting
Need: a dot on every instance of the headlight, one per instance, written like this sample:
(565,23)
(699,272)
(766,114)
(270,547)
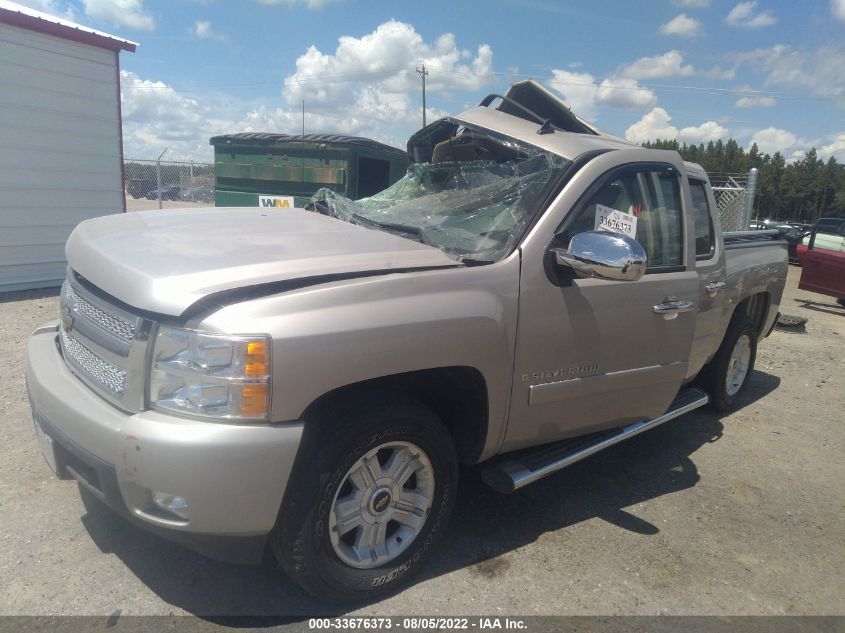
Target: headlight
(211,375)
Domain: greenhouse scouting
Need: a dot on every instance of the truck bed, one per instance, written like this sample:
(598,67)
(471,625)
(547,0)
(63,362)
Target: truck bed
(745,239)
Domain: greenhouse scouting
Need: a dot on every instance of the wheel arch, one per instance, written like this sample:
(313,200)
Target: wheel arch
(756,308)
(457,394)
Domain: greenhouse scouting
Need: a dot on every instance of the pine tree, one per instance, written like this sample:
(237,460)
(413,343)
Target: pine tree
(802,190)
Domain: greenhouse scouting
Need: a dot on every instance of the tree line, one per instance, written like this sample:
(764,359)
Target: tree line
(800,191)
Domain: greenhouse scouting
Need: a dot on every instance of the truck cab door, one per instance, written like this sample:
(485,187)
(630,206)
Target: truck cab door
(593,354)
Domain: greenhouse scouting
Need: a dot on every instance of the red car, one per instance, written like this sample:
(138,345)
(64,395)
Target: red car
(823,259)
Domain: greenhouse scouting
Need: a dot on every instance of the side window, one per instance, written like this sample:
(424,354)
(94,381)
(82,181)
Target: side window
(654,198)
(704,240)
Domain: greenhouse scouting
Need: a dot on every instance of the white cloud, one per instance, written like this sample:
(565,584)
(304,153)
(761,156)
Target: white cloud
(386,60)
(787,67)
(681,25)
(821,73)
(203,30)
(756,101)
(582,94)
(155,116)
(52,7)
(47,6)
(692,4)
(717,72)
(837,7)
(708,131)
(654,125)
(773,140)
(367,87)
(835,149)
(667,65)
(814,73)
(744,16)
(621,92)
(355,123)
(578,90)
(129,13)
(311,4)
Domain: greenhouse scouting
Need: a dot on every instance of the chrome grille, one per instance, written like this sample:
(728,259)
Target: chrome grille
(100,371)
(104,344)
(102,319)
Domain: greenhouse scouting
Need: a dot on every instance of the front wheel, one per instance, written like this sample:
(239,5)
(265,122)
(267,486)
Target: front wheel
(725,377)
(387,477)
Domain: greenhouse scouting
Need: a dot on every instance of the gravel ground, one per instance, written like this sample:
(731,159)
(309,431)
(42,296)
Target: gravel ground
(708,514)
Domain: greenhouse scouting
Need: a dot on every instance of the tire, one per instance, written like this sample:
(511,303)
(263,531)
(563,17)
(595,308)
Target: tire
(714,378)
(333,564)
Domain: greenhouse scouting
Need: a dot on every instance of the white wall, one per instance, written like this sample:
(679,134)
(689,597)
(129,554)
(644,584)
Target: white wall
(59,150)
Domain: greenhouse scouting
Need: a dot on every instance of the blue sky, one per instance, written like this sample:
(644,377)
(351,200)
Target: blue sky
(766,71)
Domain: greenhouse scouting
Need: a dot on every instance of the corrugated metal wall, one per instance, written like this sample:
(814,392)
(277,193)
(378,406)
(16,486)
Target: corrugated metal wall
(59,150)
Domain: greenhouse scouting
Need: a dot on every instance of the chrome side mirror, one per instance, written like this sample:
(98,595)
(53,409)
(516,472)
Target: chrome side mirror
(604,255)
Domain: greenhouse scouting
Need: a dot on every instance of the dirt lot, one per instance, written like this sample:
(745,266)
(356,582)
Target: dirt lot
(708,514)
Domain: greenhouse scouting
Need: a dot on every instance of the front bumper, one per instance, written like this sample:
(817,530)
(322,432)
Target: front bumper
(233,477)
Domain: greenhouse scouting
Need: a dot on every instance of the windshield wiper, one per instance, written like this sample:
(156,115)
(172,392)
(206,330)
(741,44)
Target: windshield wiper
(469,261)
(392,226)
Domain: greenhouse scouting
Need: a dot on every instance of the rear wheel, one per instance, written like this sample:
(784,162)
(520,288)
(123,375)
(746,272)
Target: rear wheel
(725,377)
(369,504)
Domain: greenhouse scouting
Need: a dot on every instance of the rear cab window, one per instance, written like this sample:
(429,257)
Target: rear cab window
(705,242)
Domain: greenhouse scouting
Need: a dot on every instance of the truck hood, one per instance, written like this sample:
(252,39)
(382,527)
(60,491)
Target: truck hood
(165,261)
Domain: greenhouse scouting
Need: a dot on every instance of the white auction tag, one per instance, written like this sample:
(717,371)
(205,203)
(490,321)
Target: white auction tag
(608,219)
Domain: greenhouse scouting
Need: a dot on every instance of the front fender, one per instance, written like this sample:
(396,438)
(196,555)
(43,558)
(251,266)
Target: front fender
(329,336)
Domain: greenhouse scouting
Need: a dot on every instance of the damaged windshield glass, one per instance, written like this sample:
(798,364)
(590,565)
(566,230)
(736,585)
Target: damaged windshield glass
(472,200)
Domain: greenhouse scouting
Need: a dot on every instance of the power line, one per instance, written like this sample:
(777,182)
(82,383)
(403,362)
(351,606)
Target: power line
(304,79)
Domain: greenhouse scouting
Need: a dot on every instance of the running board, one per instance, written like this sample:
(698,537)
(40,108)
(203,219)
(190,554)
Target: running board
(520,468)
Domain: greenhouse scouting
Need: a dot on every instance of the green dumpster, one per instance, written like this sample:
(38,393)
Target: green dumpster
(279,170)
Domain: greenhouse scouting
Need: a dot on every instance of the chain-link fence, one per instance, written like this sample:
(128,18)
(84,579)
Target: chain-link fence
(735,198)
(157,184)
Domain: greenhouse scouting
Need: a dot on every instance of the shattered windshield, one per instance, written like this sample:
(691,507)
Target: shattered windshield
(472,200)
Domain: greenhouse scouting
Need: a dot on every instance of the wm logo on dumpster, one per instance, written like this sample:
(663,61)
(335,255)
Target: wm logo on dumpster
(276,201)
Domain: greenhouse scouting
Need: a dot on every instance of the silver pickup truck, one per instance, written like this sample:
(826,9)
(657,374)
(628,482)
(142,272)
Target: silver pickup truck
(533,291)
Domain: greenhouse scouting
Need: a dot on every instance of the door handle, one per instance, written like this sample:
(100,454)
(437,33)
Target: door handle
(715,287)
(673,306)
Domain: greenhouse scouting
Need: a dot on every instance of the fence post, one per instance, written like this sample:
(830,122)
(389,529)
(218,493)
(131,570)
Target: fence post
(158,181)
(750,191)
(158,176)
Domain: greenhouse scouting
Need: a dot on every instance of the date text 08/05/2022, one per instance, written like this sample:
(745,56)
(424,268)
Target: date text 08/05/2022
(418,623)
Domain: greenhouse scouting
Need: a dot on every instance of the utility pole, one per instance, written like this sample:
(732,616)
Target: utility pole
(423,72)
(303,117)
